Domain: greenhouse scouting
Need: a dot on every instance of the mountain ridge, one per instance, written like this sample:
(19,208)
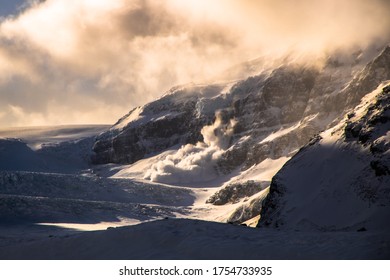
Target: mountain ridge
(259,106)
(346,168)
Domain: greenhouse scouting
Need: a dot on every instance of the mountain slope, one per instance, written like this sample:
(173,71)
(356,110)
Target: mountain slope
(265,116)
(341,179)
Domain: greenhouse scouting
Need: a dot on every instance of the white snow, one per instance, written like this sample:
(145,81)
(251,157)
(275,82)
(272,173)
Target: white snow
(264,171)
(139,117)
(190,168)
(138,169)
(202,190)
(206,96)
(132,117)
(279,133)
(191,164)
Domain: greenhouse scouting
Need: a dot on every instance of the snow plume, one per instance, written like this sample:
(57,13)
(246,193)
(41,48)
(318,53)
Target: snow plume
(190,164)
(195,163)
(219,133)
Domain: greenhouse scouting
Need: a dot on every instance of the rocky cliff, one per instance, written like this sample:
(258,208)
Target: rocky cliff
(268,115)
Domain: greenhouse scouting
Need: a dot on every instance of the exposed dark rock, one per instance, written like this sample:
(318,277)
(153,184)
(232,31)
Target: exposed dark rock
(246,211)
(370,77)
(315,140)
(352,130)
(380,146)
(271,204)
(372,125)
(232,193)
(133,142)
(365,134)
(178,117)
(380,168)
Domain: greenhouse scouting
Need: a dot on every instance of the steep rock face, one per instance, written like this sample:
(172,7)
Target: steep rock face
(266,101)
(249,209)
(294,104)
(171,120)
(179,116)
(273,113)
(341,180)
(288,90)
(232,193)
(372,75)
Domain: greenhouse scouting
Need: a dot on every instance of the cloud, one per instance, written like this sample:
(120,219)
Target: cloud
(190,164)
(73,61)
(317,25)
(195,163)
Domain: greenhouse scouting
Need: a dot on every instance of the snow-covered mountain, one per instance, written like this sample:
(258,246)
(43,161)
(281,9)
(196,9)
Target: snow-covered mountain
(264,116)
(341,179)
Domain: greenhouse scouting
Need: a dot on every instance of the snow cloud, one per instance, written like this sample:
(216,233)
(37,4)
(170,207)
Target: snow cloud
(195,163)
(190,164)
(91,61)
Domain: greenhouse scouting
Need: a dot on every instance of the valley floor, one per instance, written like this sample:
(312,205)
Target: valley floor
(190,239)
(111,212)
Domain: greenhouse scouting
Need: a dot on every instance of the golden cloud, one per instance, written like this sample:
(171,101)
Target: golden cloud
(60,59)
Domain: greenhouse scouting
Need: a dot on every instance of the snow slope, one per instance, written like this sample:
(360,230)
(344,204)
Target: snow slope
(65,198)
(341,180)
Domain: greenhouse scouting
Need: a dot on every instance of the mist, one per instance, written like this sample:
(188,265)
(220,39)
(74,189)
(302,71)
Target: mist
(85,61)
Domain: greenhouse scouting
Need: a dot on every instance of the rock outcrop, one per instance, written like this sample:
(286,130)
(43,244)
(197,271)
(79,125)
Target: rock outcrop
(232,193)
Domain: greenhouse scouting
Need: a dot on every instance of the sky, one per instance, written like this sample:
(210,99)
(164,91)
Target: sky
(92,61)
(9,7)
